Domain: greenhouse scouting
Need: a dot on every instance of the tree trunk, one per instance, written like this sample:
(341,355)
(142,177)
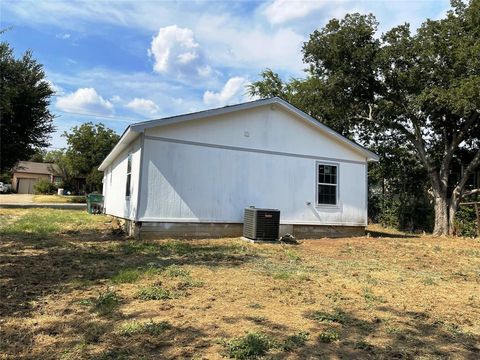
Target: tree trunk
(441,214)
(452,211)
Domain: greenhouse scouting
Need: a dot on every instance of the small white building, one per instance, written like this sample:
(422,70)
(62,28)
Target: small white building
(192,175)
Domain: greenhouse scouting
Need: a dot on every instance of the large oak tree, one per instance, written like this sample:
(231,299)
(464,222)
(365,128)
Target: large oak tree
(422,88)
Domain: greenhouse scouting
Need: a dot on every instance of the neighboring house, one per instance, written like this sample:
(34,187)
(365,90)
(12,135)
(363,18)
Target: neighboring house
(193,175)
(27,173)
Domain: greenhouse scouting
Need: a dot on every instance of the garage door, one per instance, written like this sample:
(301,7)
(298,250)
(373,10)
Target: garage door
(25,186)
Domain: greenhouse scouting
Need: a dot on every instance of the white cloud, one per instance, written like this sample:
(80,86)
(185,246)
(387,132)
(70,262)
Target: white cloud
(280,11)
(56,88)
(250,49)
(63,36)
(232,92)
(176,52)
(143,106)
(85,100)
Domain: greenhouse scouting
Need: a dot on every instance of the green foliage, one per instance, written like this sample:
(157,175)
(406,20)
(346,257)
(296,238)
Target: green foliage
(295,341)
(251,346)
(140,328)
(466,221)
(154,293)
(44,187)
(88,145)
(126,276)
(411,97)
(106,302)
(337,316)
(25,119)
(329,336)
(176,271)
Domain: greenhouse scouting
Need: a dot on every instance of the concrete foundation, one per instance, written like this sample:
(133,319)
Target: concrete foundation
(162,230)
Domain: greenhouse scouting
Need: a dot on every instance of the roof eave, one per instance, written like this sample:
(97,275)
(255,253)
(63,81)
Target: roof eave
(125,140)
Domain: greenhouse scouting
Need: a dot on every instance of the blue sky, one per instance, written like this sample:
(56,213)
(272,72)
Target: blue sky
(119,62)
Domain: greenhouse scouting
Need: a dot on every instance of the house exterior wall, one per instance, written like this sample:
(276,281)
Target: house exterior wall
(114,184)
(260,128)
(24,175)
(208,171)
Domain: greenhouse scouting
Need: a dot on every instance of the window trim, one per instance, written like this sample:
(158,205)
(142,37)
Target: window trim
(337,185)
(128,184)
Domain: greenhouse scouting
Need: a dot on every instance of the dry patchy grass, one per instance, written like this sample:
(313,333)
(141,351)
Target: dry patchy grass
(71,289)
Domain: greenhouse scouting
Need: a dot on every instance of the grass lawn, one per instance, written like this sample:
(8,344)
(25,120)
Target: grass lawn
(73,289)
(58,199)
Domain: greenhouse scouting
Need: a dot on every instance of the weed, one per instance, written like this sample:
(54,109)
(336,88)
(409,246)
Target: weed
(371,298)
(106,302)
(140,328)
(250,346)
(329,336)
(126,276)
(338,316)
(154,293)
(429,281)
(363,345)
(176,271)
(295,341)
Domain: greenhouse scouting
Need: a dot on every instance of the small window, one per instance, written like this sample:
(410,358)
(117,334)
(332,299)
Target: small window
(129,175)
(327,182)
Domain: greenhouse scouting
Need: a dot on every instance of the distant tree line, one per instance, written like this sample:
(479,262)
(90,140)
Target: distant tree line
(87,146)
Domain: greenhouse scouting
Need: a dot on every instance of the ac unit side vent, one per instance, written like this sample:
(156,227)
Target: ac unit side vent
(261,224)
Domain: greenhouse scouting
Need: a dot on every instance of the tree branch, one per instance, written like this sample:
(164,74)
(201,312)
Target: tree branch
(470,192)
(458,192)
(456,140)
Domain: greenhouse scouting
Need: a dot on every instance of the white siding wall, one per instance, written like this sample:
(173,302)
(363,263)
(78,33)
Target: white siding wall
(267,129)
(186,182)
(115,179)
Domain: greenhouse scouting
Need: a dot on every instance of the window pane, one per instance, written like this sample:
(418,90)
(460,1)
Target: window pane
(129,164)
(327,194)
(127,190)
(327,174)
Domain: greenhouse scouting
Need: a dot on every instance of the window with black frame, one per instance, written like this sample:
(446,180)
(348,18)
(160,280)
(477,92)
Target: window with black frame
(327,182)
(129,175)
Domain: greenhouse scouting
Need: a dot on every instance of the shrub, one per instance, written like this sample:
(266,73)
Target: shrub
(250,346)
(465,221)
(44,187)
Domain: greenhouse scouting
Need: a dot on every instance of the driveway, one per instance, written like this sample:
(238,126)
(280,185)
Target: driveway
(16,198)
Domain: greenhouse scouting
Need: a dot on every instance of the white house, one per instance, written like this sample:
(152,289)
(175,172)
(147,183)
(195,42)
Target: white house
(192,175)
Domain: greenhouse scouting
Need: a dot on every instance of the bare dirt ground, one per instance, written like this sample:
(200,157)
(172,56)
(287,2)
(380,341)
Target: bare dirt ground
(72,289)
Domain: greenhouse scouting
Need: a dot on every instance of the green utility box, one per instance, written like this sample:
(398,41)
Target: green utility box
(94,203)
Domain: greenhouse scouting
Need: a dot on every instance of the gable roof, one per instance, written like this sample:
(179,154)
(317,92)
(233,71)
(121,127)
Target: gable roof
(33,167)
(134,130)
